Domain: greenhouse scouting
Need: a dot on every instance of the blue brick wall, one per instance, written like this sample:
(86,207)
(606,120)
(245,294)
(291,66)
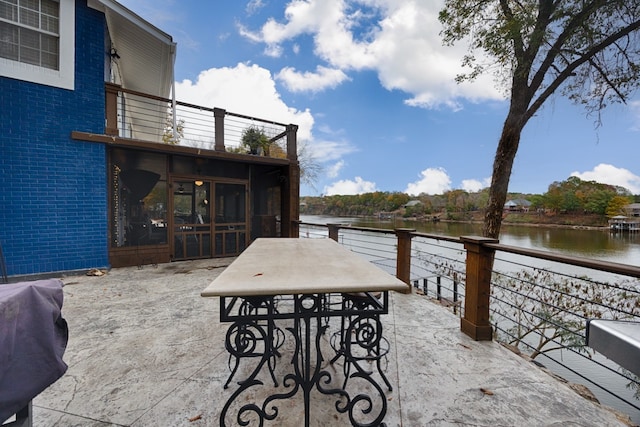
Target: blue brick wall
(53,190)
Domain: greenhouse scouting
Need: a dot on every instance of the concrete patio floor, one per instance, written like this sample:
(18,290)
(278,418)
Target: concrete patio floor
(146,350)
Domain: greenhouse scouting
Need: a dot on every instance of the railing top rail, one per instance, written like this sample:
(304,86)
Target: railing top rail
(199,107)
(437,237)
(610,267)
(607,266)
(350,227)
(387,231)
(242,116)
(142,94)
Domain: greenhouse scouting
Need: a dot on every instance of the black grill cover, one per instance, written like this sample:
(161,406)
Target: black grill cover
(33,338)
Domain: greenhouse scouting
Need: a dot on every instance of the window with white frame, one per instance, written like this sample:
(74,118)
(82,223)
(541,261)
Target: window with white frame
(37,41)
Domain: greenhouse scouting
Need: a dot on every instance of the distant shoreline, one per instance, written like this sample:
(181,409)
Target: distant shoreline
(558,221)
(536,224)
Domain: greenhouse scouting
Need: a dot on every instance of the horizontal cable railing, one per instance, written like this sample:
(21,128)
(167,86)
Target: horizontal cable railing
(541,308)
(438,269)
(539,303)
(151,118)
(195,126)
(236,124)
(376,247)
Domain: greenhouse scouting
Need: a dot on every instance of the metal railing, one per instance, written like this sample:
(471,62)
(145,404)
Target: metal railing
(535,302)
(136,115)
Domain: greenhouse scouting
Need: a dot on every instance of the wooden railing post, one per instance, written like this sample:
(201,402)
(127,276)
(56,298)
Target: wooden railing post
(475,322)
(292,142)
(291,204)
(218,122)
(403,258)
(111,108)
(334,231)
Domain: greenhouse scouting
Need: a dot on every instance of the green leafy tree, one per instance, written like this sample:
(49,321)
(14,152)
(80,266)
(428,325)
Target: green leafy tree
(598,201)
(617,204)
(587,50)
(553,197)
(537,201)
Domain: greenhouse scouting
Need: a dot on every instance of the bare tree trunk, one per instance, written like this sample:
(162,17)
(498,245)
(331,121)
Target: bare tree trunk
(503,162)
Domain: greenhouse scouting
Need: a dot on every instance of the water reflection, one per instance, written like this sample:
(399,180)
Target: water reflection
(594,244)
(597,244)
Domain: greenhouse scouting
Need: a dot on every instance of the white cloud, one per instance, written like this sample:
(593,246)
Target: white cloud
(348,187)
(251,90)
(609,174)
(245,89)
(323,78)
(325,150)
(432,181)
(403,46)
(473,185)
(253,6)
(334,170)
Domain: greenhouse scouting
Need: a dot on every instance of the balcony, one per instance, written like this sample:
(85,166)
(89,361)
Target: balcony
(147,350)
(133,117)
(536,303)
(209,193)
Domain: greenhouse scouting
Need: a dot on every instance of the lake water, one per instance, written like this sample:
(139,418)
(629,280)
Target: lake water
(597,244)
(593,244)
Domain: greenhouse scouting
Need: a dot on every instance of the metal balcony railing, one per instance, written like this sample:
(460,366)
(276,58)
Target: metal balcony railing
(535,302)
(135,115)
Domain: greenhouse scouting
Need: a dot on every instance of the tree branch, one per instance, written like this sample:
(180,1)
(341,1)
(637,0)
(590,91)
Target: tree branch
(554,50)
(518,43)
(570,69)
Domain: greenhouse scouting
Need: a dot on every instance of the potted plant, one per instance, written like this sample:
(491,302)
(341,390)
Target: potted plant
(255,141)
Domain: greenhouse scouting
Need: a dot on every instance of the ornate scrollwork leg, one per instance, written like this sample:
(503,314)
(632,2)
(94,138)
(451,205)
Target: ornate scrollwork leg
(243,342)
(257,339)
(365,342)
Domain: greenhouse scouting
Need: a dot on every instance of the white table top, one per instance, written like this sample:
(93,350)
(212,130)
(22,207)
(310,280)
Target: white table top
(286,266)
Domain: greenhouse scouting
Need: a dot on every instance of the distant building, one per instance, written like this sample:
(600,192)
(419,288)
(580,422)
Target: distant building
(517,205)
(412,204)
(633,209)
(622,223)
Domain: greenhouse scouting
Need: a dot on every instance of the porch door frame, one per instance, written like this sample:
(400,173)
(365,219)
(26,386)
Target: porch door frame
(210,227)
(231,236)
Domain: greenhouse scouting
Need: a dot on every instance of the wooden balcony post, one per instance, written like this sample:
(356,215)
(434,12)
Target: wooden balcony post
(475,322)
(218,116)
(111,108)
(289,226)
(334,231)
(292,142)
(403,258)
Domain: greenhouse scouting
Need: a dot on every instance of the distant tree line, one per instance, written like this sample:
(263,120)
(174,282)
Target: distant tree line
(573,196)
(367,204)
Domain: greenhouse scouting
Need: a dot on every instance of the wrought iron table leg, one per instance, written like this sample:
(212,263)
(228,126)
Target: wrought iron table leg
(307,371)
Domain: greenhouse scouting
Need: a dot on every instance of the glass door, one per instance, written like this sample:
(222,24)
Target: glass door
(191,219)
(231,229)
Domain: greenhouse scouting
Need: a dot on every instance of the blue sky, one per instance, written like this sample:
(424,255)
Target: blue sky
(372,89)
